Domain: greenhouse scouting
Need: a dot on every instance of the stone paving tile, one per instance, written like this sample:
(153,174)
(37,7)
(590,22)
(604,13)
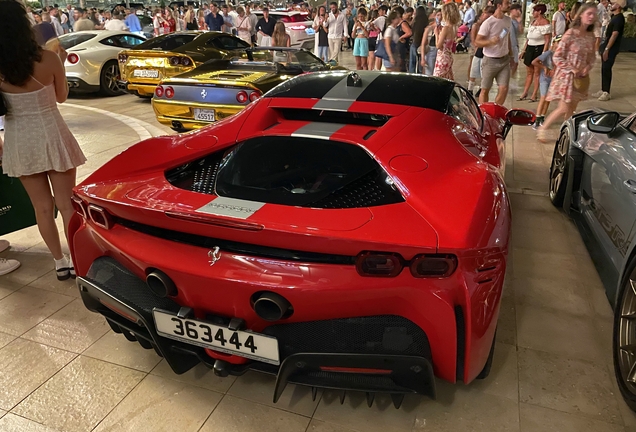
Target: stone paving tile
(159,404)
(73,328)
(239,415)
(25,366)
(78,397)
(567,384)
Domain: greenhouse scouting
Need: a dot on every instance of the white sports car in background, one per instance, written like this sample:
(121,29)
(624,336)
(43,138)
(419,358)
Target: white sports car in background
(297,24)
(91,65)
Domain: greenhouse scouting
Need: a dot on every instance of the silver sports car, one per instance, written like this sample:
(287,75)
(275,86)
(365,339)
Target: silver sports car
(593,177)
(91,65)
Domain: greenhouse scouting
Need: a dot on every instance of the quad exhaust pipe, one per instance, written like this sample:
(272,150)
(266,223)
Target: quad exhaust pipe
(161,284)
(271,306)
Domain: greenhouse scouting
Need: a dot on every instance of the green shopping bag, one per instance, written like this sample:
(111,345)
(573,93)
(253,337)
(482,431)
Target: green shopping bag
(16,211)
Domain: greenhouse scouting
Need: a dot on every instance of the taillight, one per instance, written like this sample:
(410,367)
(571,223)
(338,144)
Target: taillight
(122,58)
(169,92)
(72,58)
(174,61)
(379,264)
(79,206)
(159,91)
(254,95)
(433,266)
(241,97)
(186,61)
(99,216)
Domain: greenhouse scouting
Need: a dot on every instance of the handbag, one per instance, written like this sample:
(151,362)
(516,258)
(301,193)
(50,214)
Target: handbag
(3,105)
(581,84)
(16,211)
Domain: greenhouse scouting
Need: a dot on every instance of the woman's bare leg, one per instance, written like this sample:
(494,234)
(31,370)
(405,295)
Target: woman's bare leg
(63,184)
(39,190)
(363,63)
(535,80)
(529,76)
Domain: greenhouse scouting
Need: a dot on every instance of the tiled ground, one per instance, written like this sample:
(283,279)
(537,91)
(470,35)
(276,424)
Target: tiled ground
(62,369)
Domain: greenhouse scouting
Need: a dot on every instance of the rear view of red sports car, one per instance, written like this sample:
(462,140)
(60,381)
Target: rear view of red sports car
(347,231)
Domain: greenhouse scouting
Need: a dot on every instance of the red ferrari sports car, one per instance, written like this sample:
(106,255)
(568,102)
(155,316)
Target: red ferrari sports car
(348,230)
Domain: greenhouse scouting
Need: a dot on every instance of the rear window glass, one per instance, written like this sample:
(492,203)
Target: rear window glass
(70,40)
(168,43)
(304,172)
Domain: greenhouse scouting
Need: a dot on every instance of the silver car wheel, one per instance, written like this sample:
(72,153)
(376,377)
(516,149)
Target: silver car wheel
(111,74)
(559,160)
(626,343)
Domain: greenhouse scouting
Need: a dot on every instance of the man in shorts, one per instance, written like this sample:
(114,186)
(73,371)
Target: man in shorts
(494,38)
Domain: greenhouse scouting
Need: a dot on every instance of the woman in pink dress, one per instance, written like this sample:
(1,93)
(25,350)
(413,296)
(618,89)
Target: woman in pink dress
(573,59)
(445,41)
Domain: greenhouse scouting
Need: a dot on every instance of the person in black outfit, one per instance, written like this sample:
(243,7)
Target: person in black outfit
(265,28)
(610,47)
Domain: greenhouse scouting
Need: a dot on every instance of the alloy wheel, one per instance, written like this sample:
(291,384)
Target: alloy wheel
(559,160)
(112,79)
(626,343)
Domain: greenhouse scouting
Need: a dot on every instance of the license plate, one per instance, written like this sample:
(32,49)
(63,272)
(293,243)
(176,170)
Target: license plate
(146,73)
(204,114)
(243,343)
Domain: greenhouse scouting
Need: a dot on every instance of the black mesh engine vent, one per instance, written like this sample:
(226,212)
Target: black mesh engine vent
(373,188)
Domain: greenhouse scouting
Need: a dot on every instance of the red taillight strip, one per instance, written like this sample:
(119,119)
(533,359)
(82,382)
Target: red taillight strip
(368,371)
(249,226)
(394,263)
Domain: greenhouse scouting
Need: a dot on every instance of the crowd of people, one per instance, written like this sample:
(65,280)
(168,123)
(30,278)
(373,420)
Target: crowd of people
(558,53)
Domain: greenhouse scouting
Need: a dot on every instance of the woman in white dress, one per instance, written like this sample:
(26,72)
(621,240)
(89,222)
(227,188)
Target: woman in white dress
(39,149)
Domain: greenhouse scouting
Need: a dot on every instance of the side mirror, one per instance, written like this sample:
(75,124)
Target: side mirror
(603,123)
(520,117)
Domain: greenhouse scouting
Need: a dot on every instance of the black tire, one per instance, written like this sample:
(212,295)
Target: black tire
(559,168)
(179,130)
(486,370)
(623,336)
(109,79)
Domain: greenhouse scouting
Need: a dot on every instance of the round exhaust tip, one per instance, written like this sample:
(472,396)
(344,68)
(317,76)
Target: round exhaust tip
(271,306)
(160,284)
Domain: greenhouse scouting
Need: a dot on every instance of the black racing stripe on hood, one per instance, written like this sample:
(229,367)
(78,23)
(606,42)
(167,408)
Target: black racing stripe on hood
(388,88)
(411,90)
(311,86)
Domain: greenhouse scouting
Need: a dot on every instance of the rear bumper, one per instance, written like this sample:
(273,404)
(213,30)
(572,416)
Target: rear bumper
(456,315)
(180,115)
(80,86)
(127,303)
(142,89)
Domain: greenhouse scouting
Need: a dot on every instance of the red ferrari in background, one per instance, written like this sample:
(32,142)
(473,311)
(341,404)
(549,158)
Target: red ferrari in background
(348,230)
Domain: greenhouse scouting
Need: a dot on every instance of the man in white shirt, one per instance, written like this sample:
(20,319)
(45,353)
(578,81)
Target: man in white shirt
(379,23)
(559,21)
(253,20)
(55,21)
(494,38)
(116,23)
(228,23)
(469,20)
(338,31)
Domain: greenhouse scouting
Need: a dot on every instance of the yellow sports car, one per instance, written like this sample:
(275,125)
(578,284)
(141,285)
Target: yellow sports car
(143,67)
(221,88)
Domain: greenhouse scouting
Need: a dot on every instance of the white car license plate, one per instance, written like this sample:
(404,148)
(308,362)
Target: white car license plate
(243,343)
(146,73)
(204,114)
